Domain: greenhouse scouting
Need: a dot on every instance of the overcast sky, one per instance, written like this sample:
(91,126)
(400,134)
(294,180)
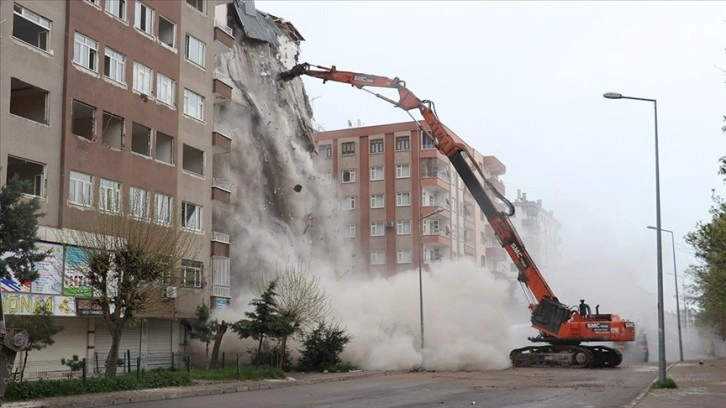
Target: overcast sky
(523,81)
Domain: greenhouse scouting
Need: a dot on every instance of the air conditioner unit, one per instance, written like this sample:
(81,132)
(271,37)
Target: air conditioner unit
(170,292)
(390,224)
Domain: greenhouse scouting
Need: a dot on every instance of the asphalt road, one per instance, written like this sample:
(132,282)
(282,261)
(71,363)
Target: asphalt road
(521,387)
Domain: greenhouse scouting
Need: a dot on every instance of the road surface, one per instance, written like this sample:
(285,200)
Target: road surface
(521,387)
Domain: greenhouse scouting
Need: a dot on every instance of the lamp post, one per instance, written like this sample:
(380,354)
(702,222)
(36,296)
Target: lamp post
(678,304)
(659,246)
(420,272)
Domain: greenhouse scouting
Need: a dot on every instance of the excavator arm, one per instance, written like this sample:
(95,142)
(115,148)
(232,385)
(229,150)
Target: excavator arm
(553,319)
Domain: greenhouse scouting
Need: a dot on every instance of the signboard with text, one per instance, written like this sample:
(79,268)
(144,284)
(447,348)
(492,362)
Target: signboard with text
(15,303)
(75,282)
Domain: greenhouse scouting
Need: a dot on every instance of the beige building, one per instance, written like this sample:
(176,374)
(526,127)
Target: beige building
(108,105)
(402,201)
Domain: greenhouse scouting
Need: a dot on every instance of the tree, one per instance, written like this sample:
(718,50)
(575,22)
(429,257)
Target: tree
(129,263)
(709,242)
(300,300)
(200,327)
(265,321)
(40,327)
(18,231)
(219,329)
(322,347)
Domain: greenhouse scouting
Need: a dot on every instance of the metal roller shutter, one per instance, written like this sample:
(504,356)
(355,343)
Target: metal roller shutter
(159,343)
(130,340)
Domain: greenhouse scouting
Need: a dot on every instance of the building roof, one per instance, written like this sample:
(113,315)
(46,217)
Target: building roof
(261,26)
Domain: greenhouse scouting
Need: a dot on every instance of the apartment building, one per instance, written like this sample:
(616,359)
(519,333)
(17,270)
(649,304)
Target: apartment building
(107,105)
(401,199)
(540,232)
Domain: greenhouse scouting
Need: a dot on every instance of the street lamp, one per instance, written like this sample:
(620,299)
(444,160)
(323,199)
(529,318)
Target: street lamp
(675,275)
(659,246)
(420,271)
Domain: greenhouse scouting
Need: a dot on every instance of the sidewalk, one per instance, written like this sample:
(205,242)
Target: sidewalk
(700,384)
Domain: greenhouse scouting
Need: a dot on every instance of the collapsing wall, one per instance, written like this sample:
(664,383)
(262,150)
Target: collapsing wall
(269,222)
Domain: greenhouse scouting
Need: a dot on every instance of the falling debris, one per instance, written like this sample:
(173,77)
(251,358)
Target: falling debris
(297,188)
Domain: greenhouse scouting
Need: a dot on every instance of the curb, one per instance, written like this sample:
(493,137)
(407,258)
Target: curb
(646,390)
(159,394)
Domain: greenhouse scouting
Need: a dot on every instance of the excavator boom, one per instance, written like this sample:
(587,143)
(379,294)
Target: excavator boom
(557,323)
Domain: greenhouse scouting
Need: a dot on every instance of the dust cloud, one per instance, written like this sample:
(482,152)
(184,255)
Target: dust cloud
(271,221)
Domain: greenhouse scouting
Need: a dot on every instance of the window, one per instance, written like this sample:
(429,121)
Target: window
(144,18)
(112,131)
(31,28)
(80,189)
(378,257)
(83,120)
(377,229)
(403,170)
(427,141)
(403,256)
(376,173)
(141,139)
(403,227)
(191,216)
(376,200)
(139,202)
(192,273)
(143,77)
(164,89)
(482,238)
(377,146)
(348,148)
(402,143)
(193,160)
(193,105)
(162,208)
(198,4)
(29,171)
(116,8)
(326,178)
(348,176)
(326,151)
(221,271)
(85,52)
(94,2)
(164,148)
(194,50)
(114,65)
(349,203)
(403,199)
(167,32)
(28,101)
(109,196)
(349,231)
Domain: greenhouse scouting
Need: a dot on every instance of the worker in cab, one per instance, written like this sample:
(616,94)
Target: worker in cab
(584,308)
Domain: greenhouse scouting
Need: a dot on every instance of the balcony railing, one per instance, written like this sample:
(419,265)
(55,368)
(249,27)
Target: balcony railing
(220,237)
(224,27)
(223,130)
(222,184)
(221,291)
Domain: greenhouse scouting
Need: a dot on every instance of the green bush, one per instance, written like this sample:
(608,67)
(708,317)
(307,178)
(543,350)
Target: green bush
(246,372)
(668,383)
(322,346)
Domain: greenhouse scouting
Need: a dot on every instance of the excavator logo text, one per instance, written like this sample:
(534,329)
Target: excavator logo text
(363,78)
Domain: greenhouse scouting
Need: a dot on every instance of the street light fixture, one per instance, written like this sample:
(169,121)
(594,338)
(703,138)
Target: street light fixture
(420,271)
(675,275)
(659,246)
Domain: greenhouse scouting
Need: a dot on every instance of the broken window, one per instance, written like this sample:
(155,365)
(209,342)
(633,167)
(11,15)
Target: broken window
(348,176)
(164,148)
(112,132)
(167,32)
(348,148)
(144,18)
(85,52)
(197,4)
(28,101)
(141,139)
(31,172)
(31,28)
(82,120)
(193,160)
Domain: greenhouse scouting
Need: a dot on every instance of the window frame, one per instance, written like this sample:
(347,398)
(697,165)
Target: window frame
(347,149)
(196,268)
(349,203)
(121,9)
(377,201)
(347,176)
(110,187)
(326,151)
(401,259)
(114,61)
(197,214)
(400,173)
(373,173)
(201,48)
(350,231)
(163,202)
(141,71)
(375,227)
(74,183)
(188,94)
(403,143)
(134,194)
(41,22)
(376,146)
(400,202)
(375,261)
(162,89)
(403,227)
(83,53)
(149,20)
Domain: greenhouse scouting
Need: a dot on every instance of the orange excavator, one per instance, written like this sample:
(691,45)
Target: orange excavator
(561,328)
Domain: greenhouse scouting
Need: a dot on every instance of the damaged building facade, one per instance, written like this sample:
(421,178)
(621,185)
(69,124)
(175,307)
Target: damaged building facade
(404,203)
(109,106)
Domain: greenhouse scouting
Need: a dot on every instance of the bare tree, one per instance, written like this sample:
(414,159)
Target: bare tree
(300,299)
(129,263)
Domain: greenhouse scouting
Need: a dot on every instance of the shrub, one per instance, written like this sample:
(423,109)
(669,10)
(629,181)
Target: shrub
(322,346)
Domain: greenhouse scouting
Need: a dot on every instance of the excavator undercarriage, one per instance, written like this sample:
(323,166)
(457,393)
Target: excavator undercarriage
(564,355)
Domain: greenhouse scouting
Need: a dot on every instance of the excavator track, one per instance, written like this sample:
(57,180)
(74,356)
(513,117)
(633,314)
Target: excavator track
(566,356)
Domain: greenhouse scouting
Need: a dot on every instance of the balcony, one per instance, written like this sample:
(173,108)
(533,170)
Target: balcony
(495,167)
(497,184)
(223,37)
(220,237)
(220,244)
(221,139)
(222,87)
(221,190)
(221,291)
